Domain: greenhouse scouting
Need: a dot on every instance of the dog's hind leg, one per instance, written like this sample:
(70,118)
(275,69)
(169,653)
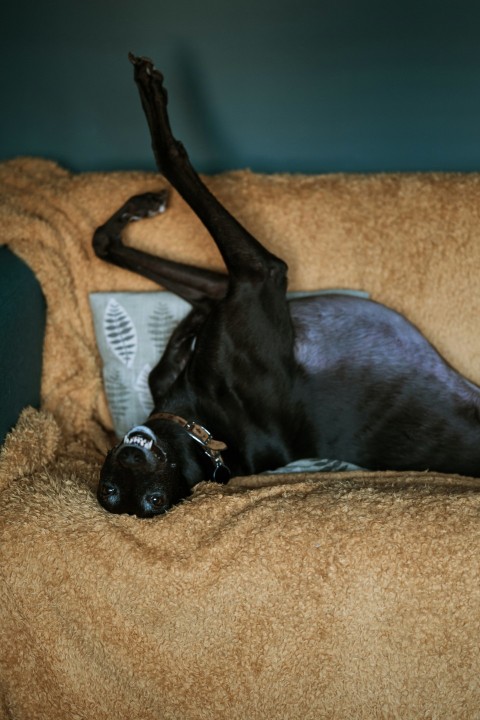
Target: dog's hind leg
(244,256)
(189,282)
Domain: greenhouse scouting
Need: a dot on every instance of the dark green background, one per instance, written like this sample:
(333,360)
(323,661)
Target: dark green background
(278,85)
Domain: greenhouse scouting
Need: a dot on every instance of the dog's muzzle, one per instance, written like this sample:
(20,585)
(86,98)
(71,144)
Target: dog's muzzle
(137,447)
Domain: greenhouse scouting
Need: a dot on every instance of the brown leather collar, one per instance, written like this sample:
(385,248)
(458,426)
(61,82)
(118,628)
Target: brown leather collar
(196,431)
(211,447)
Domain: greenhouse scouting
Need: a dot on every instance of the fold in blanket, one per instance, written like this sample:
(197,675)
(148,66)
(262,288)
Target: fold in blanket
(345,595)
(339,597)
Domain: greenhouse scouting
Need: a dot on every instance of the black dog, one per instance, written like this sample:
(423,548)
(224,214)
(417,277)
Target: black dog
(330,376)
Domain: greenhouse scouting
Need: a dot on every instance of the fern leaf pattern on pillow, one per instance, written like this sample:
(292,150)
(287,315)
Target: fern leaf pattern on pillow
(143,389)
(160,326)
(118,394)
(120,332)
(132,331)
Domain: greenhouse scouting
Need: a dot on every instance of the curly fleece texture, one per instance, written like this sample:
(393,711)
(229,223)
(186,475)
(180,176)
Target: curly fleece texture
(349,595)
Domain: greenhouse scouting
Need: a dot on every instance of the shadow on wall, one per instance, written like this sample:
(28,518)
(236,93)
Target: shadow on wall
(206,130)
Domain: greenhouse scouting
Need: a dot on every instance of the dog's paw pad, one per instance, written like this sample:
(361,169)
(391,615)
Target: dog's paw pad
(146,205)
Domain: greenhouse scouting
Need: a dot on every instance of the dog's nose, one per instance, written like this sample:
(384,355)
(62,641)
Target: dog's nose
(130,457)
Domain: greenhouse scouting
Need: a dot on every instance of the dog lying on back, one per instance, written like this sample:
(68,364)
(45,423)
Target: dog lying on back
(251,381)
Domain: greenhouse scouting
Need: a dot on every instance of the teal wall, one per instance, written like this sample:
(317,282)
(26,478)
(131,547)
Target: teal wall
(275,85)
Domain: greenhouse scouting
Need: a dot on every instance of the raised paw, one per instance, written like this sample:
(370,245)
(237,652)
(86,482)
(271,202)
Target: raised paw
(143,206)
(144,66)
(154,99)
(140,61)
(108,236)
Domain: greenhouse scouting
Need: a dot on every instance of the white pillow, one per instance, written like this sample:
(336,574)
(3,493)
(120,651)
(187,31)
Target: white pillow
(132,331)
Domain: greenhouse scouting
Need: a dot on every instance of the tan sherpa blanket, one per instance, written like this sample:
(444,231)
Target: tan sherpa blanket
(353,595)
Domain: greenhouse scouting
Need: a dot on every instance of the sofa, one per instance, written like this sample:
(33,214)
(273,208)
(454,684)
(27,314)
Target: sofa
(306,595)
(22,327)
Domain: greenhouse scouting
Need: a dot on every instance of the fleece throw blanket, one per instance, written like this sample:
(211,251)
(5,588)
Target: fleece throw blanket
(348,595)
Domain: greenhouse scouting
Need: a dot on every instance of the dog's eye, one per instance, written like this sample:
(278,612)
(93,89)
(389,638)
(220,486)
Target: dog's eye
(157,501)
(107,490)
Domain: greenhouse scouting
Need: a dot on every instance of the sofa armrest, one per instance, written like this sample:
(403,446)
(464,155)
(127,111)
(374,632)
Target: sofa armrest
(22,326)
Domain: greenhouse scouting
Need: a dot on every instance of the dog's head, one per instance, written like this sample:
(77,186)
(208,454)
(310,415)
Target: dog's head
(153,468)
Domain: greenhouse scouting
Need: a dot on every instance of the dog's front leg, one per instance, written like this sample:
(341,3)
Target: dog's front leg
(191,283)
(178,352)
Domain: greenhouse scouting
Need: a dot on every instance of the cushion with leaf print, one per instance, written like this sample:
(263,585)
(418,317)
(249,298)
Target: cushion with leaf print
(132,331)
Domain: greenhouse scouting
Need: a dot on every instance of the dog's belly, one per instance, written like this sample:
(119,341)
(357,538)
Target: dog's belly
(341,330)
(383,396)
